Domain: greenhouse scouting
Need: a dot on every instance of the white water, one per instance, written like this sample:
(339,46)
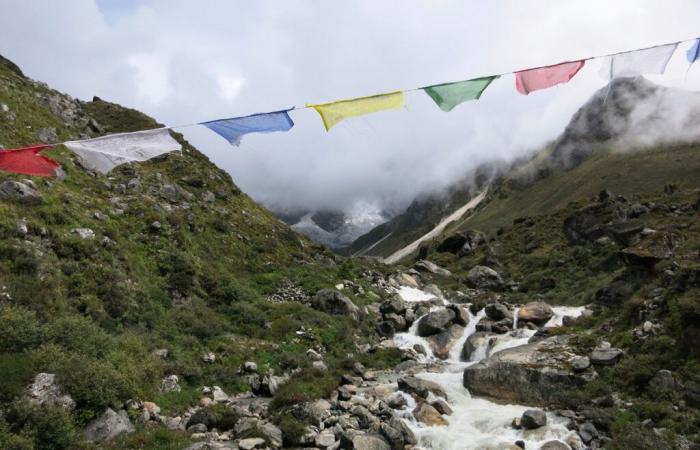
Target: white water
(476,423)
(411,294)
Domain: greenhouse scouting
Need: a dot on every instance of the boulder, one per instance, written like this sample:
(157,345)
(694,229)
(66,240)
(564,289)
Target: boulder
(419,387)
(606,356)
(536,312)
(427,266)
(271,433)
(333,302)
(554,445)
(86,234)
(461,315)
(108,425)
(442,342)
(473,342)
(435,322)
(369,442)
(325,439)
(533,373)
(533,418)
(251,443)
(497,311)
(19,192)
(483,277)
(442,407)
(170,384)
(428,415)
(393,305)
(204,417)
(45,390)
(580,363)
(663,381)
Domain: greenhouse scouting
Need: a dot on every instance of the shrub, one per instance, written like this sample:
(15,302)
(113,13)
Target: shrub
(306,385)
(51,427)
(21,329)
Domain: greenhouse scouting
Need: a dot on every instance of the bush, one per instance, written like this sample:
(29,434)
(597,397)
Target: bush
(21,329)
(306,385)
(51,427)
(16,369)
(292,428)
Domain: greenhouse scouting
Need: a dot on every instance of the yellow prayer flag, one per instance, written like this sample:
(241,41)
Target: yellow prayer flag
(334,112)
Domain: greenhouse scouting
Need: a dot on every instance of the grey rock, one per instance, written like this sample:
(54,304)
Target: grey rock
(208,357)
(554,445)
(108,426)
(483,277)
(333,302)
(394,304)
(461,315)
(442,407)
(204,417)
(325,439)
(19,192)
(435,322)
(473,342)
(427,266)
(170,384)
(45,390)
(533,418)
(536,312)
(250,367)
(47,135)
(528,374)
(369,442)
(497,311)
(588,432)
(421,388)
(271,433)
(251,443)
(606,356)
(580,363)
(208,196)
(409,437)
(84,233)
(662,381)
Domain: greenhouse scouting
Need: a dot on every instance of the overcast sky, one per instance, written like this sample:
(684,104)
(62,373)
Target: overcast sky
(185,61)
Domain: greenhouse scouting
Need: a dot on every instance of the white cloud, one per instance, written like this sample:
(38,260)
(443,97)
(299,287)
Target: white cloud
(185,61)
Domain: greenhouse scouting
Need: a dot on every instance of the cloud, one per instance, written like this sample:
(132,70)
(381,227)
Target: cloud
(184,62)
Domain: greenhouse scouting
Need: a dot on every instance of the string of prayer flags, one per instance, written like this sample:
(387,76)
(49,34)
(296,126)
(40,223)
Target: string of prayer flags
(694,52)
(449,95)
(639,62)
(234,128)
(334,112)
(105,153)
(527,81)
(28,161)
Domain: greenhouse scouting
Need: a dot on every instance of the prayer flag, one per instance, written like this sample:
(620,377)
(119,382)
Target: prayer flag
(694,51)
(105,153)
(449,95)
(527,81)
(639,62)
(334,112)
(28,161)
(234,128)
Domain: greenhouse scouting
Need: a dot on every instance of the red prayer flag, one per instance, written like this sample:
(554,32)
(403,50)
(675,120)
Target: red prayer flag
(28,161)
(545,77)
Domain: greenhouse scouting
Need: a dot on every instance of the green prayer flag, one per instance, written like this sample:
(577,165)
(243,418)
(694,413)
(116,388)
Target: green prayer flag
(449,95)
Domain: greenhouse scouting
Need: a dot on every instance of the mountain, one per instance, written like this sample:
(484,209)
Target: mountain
(632,136)
(333,228)
(148,283)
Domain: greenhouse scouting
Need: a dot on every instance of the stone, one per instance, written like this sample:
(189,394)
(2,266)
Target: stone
(84,233)
(580,363)
(554,445)
(533,418)
(394,304)
(325,439)
(170,384)
(202,417)
(473,342)
(108,425)
(45,390)
(606,356)
(442,407)
(312,354)
(319,365)
(435,322)
(536,312)
(427,266)
(218,394)
(461,315)
(419,387)
(369,442)
(333,302)
(588,432)
(662,381)
(152,409)
(250,367)
(409,437)
(483,277)
(271,433)
(208,357)
(19,192)
(497,311)
(428,415)
(251,443)
(208,196)
(47,135)
(396,401)
(531,374)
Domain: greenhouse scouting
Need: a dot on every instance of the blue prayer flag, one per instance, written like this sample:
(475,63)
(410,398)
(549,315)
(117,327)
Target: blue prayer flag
(234,128)
(694,51)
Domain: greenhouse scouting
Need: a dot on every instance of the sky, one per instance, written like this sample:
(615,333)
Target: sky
(185,61)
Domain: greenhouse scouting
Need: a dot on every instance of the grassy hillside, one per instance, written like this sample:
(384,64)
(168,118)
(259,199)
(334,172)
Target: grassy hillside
(179,259)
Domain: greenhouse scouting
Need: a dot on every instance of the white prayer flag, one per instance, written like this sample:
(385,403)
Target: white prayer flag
(107,152)
(639,62)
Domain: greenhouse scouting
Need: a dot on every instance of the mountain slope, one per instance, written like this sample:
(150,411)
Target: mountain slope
(630,137)
(98,272)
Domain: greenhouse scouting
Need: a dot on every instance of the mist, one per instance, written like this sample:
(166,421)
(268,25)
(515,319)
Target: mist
(185,62)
